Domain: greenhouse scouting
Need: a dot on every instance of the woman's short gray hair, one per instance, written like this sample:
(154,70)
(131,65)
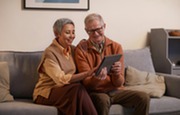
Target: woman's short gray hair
(58,25)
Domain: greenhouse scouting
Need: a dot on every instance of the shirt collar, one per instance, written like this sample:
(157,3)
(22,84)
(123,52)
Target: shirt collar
(98,47)
(66,51)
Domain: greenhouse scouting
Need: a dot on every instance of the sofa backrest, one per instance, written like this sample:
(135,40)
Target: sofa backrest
(23,71)
(140,59)
(24,75)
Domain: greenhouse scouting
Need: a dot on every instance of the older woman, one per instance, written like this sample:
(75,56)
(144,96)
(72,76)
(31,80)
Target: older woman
(58,85)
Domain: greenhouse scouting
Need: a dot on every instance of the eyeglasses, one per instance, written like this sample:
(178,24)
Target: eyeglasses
(99,30)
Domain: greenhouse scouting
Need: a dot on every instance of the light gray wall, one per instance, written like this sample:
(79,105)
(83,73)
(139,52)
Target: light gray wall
(127,22)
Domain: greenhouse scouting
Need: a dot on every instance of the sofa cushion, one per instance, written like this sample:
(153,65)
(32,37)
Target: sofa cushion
(23,71)
(117,109)
(137,80)
(158,106)
(140,59)
(164,106)
(26,107)
(4,83)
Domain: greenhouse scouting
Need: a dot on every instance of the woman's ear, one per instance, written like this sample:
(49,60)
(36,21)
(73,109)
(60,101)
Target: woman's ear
(55,33)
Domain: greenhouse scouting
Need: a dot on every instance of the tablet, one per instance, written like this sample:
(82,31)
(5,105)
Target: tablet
(108,61)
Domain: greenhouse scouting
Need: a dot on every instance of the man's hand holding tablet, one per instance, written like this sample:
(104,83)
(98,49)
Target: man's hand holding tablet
(107,63)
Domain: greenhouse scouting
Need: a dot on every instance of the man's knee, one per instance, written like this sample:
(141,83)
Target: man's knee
(143,98)
(101,102)
(101,99)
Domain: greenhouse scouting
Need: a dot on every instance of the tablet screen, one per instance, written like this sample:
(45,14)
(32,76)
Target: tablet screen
(108,61)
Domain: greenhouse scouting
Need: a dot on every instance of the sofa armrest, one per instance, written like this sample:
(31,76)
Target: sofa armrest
(172,84)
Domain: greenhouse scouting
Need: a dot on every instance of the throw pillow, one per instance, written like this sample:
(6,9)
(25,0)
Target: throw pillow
(4,83)
(150,83)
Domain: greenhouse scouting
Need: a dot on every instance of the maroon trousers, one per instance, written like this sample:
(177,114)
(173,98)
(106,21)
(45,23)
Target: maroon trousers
(71,99)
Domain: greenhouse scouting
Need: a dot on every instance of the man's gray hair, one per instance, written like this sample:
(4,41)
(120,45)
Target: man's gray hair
(93,16)
(59,24)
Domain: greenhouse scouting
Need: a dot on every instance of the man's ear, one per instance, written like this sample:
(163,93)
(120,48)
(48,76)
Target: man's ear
(104,25)
(86,30)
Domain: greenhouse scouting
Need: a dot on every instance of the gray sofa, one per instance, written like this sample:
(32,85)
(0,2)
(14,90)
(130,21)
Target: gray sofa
(23,77)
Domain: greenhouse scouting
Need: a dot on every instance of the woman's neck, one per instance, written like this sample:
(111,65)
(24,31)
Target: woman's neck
(60,43)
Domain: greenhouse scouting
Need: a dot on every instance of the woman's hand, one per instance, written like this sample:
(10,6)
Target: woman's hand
(91,72)
(103,74)
(82,75)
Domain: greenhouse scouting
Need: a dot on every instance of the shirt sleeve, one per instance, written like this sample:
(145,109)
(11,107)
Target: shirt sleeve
(53,70)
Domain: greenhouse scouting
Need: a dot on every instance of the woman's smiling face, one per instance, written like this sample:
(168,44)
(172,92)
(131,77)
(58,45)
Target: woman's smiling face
(67,35)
